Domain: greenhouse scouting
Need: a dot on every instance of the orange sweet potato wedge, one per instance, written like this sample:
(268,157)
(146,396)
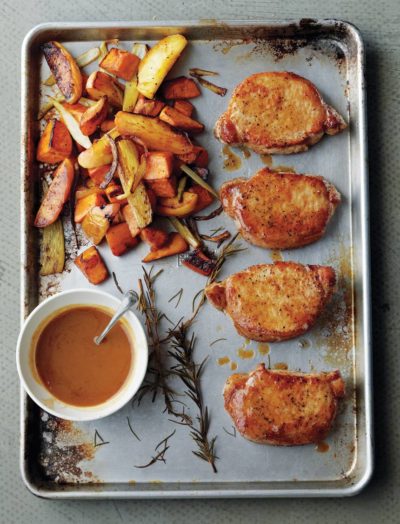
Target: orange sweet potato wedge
(64,69)
(184,106)
(94,116)
(181,87)
(120,63)
(176,244)
(85,204)
(175,118)
(57,194)
(154,237)
(92,266)
(204,198)
(159,165)
(119,239)
(145,106)
(55,144)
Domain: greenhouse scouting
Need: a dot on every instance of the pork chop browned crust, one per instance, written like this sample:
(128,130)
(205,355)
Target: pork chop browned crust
(271,302)
(280,210)
(277,113)
(283,408)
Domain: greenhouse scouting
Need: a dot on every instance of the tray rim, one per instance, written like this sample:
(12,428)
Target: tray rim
(365,477)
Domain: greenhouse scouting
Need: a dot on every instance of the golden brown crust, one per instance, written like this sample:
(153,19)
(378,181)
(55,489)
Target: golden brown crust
(283,408)
(280,210)
(277,113)
(272,302)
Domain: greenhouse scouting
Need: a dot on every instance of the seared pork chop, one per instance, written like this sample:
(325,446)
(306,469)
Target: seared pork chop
(277,113)
(283,408)
(280,210)
(271,302)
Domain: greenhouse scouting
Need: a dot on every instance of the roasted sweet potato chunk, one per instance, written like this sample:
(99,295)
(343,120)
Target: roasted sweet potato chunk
(94,116)
(101,84)
(204,199)
(163,187)
(157,135)
(145,106)
(119,239)
(98,220)
(184,107)
(159,164)
(92,266)
(175,118)
(64,69)
(57,194)
(85,204)
(55,144)
(120,63)
(175,245)
(181,87)
(154,237)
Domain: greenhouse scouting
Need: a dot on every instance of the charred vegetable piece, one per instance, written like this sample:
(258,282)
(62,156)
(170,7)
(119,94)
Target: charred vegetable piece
(197,261)
(82,60)
(204,199)
(101,84)
(157,135)
(85,204)
(64,69)
(55,144)
(57,194)
(120,240)
(98,220)
(181,87)
(175,118)
(99,154)
(154,237)
(221,91)
(92,266)
(94,116)
(184,107)
(197,71)
(147,107)
(120,63)
(172,207)
(157,63)
(175,245)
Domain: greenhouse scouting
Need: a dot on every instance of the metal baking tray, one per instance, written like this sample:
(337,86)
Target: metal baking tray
(60,459)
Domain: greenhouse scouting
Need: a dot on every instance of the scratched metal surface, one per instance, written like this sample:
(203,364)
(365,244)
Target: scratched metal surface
(379,502)
(63,459)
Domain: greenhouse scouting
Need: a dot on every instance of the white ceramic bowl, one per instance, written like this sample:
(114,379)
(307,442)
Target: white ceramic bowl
(41,395)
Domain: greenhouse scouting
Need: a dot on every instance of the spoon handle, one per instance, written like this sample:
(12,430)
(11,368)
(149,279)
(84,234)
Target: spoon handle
(130,298)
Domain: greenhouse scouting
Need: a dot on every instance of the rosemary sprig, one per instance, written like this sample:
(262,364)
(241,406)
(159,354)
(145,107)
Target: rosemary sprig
(147,306)
(160,457)
(190,374)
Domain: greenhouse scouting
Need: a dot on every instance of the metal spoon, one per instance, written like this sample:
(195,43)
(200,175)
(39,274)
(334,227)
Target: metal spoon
(130,298)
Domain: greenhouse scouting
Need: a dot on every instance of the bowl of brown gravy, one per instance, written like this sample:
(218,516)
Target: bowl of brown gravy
(65,372)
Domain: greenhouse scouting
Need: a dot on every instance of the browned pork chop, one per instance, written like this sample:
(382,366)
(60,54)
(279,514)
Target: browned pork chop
(280,210)
(277,113)
(283,408)
(271,302)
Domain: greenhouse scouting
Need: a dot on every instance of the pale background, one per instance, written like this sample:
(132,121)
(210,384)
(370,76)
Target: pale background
(379,22)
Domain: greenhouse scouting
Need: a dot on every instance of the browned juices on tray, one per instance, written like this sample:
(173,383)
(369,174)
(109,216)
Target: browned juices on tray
(71,366)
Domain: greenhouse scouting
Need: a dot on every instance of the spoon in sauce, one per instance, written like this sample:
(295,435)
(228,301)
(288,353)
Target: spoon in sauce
(130,298)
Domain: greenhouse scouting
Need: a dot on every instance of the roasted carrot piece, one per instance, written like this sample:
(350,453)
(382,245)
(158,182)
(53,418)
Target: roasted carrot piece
(130,219)
(85,204)
(181,87)
(145,106)
(175,118)
(163,187)
(176,244)
(94,116)
(154,237)
(119,239)
(57,194)
(112,191)
(97,174)
(120,63)
(204,198)
(159,164)
(92,266)
(184,106)
(55,144)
